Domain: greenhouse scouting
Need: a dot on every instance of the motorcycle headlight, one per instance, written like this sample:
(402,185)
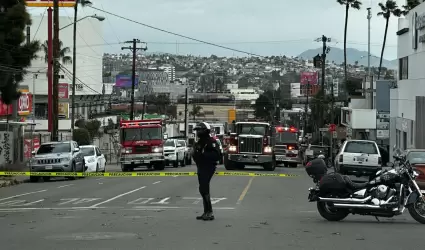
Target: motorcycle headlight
(415,173)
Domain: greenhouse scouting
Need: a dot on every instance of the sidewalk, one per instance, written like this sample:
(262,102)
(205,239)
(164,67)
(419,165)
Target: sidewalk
(6,181)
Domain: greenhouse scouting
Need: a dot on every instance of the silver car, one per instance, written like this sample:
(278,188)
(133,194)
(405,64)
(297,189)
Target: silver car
(57,157)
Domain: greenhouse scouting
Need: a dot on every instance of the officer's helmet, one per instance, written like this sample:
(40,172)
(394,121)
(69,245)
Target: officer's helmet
(202,129)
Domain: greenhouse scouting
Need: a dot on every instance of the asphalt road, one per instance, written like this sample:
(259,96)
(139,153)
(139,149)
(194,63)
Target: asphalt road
(159,213)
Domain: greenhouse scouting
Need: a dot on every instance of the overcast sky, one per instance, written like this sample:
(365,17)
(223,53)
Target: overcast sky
(267,27)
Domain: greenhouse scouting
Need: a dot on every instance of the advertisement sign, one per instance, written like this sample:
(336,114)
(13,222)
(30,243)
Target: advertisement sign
(24,104)
(382,125)
(28,147)
(63,110)
(125,81)
(63,90)
(309,78)
(49,3)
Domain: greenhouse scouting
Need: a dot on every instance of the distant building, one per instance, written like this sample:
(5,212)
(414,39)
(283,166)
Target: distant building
(170,70)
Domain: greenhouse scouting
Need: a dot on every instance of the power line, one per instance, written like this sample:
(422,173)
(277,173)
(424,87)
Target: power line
(39,24)
(176,34)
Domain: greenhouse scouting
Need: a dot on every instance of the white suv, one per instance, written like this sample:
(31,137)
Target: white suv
(358,157)
(174,153)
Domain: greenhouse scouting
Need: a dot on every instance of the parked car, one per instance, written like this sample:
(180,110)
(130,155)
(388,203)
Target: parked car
(174,153)
(358,157)
(94,160)
(416,157)
(57,157)
(187,152)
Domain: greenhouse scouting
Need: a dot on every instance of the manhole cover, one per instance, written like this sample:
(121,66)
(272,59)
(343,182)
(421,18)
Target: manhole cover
(93,236)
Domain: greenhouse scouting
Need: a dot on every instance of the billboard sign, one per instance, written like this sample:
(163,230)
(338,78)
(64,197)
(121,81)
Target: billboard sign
(49,3)
(125,81)
(63,110)
(309,78)
(63,90)
(24,104)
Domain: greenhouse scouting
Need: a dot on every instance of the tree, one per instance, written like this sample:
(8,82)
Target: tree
(263,107)
(15,55)
(389,8)
(63,53)
(196,111)
(410,4)
(354,4)
(81,136)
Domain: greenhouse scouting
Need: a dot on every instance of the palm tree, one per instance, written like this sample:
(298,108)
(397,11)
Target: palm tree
(354,4)
(196,111)
(389,8)
(63,51)
(410,4)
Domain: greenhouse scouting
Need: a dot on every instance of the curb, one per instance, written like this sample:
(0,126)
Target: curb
(12,182)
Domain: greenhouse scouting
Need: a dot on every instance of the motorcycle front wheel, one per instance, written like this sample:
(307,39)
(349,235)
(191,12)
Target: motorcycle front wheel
(417,211)
(331,214)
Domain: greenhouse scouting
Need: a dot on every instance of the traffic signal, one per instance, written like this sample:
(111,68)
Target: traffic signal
(317,61)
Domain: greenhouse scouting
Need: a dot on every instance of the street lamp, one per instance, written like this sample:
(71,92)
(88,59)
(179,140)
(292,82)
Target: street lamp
(74,56)
(100,18)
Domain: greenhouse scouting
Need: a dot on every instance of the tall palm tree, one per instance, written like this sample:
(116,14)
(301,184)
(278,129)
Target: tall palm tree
(410,4)
(63,53)
(389,8)
(354,4)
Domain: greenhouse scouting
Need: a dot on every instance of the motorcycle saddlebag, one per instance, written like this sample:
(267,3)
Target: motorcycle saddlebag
(316,168)
(333,183)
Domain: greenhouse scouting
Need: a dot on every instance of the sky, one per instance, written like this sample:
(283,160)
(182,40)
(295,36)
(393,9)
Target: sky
(267,27)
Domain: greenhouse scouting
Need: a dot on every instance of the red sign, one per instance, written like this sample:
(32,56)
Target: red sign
(309,78)
(25,104)
(332,127)
(63,89)
(5,109)
(28,147)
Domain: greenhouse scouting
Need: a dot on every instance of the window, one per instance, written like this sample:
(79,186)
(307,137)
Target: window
(286,137)
(137,134)
(403,68)
(54,148)
(411,134)
(87,151)
(416,157)
(397,138)
(361,147)
(98,153)
(404,140)
(252,129)
(169,143)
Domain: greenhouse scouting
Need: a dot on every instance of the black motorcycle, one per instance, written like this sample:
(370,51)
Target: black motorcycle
(388,194)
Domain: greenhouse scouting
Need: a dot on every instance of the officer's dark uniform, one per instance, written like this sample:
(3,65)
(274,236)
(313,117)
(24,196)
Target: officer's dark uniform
(205,154)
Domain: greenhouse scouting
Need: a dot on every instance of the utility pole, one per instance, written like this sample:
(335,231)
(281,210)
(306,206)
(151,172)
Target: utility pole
(369,16)
(134,49)
(56,67)
(307,88)
(325,50)
(186,98)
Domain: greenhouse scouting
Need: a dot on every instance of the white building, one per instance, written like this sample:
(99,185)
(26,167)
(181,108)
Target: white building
(170,70)
(407,97)
(88,70)
(244,94)
(295,89)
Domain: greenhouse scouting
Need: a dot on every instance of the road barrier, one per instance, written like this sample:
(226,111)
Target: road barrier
(136,174)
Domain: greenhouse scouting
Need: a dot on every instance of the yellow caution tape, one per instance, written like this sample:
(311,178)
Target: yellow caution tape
(135,174)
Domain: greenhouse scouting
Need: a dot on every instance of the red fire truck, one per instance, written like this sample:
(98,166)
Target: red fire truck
(142,144)
(286,146)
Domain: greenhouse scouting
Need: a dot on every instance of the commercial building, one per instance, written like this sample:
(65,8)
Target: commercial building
(170,70)
(407,102)
(89,85)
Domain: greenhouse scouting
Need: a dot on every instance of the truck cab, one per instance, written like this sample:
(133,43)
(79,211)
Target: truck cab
(142,144)
(251,143)
(287,146)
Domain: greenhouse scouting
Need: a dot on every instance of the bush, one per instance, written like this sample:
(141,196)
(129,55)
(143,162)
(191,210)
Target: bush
(81,136)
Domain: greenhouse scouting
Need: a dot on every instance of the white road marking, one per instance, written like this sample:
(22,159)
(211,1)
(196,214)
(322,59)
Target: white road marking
(175,176)
(141,201)
(65,186)
(98,179)
(168,207)
(196,200)
(19,195)
(163,201)
(77,200)
(47,208)
(31,203)
(10,203)
(118,196)
(156,182)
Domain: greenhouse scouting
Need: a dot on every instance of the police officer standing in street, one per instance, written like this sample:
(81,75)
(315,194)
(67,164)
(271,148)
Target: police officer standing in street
(206,153)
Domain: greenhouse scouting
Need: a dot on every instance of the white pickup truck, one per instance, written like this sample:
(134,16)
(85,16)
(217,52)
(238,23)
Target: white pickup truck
(174,153)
